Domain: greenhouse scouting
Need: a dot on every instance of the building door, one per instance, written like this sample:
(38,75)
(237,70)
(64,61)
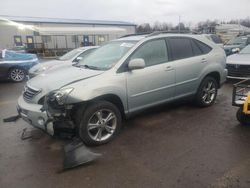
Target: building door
(85,40)
(30,42)
(18,40)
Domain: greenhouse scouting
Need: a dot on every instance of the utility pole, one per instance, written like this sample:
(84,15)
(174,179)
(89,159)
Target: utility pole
(179,24)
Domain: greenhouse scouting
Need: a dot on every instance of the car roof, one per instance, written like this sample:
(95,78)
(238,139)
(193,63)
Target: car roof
(156,35)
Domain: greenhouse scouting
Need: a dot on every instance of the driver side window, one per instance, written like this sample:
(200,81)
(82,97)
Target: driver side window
(153,52)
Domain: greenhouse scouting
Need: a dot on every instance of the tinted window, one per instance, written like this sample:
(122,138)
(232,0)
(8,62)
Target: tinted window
(180,48)
(204,48)
(153,52)
(196,49)
(216,39)
(248,41)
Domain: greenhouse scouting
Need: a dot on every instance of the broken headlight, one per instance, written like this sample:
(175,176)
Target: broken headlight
(61,95)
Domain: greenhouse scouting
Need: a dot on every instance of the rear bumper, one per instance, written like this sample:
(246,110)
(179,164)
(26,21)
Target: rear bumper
(224,77)
(32,114)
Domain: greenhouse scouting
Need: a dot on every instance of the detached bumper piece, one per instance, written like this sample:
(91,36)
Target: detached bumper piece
(12,118)
(76,154)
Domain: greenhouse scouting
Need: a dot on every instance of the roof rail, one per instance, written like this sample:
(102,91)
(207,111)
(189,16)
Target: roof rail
(136,34)
(155,33)
(174,32)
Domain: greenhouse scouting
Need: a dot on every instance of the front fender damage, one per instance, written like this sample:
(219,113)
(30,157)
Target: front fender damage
(62,120)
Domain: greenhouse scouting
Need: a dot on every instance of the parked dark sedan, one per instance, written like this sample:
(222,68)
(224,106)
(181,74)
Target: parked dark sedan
(15,66)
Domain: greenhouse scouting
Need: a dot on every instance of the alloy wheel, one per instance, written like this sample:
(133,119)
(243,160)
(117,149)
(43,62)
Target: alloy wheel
(209,92)
(17,75)
(101,125)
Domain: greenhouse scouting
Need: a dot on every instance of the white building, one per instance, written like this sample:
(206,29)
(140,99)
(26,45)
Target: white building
(229,31)
(53,36)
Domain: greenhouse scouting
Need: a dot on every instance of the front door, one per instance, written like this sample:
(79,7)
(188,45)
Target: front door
(155,83)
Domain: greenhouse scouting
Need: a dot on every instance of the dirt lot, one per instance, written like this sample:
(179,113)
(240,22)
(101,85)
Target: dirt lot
(171,146)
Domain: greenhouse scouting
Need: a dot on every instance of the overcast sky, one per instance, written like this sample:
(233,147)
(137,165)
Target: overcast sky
(136,11)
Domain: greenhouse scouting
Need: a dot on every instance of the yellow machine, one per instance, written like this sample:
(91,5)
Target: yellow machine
(241,99)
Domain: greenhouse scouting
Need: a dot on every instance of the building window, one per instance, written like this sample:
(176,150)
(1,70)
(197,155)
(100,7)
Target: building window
(74,38)
(101,39)
(46,39)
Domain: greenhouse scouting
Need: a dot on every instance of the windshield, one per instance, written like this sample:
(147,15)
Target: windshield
(71,54)
(107,56)
(237,41)
(245,50)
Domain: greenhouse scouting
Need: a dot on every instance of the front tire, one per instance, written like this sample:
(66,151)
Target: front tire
(17,74)
(207,92)
(100,123)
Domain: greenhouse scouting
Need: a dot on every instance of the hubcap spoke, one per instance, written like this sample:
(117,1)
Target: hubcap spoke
(93,126)
(212,91)
(98,135)
(109,129)
(99,116)
(110,117)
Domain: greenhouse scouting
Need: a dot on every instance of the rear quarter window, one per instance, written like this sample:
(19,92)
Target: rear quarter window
(205,49)
(216,39)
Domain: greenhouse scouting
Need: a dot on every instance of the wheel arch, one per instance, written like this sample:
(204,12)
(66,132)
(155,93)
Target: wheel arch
(215,75)
(112,98)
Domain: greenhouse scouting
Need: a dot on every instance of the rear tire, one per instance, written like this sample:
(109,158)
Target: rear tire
(17,74)
(207,92)
(100,123)
(243,118)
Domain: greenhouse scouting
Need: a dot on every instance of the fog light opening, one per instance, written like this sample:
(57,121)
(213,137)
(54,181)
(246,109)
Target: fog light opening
(41,121)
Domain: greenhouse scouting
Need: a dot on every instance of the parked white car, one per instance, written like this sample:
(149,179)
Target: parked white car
(72,56)
(238,65)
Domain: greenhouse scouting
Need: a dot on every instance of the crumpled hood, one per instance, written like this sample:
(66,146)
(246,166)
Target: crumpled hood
(240,59)
(57,78)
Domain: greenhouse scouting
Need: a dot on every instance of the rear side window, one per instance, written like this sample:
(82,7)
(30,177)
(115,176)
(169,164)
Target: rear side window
(216,39)
(180,48)
(196,49)
(248,41)
(204,48)
(153,52)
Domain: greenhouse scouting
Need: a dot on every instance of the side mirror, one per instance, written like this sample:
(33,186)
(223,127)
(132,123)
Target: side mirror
(235,50)
(136,64)
(77,59)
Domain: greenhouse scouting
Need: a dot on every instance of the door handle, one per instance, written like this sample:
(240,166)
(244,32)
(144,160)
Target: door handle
(169,68)
(203,60)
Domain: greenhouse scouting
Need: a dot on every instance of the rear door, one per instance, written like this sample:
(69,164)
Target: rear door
(155,83)
(189,60)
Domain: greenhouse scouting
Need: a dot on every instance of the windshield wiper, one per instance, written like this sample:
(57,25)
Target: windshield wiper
(89,67)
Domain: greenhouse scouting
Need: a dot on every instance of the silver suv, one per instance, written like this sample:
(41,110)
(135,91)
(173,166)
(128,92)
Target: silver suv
(120,78)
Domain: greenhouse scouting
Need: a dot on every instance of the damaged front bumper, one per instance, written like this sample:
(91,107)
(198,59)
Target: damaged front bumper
(43,119)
